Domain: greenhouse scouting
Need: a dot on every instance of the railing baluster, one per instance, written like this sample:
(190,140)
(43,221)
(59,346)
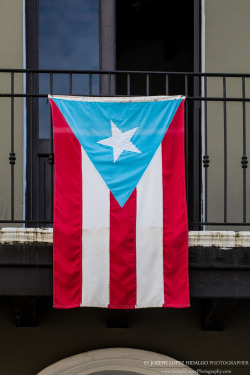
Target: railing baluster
(51,156)
(128,84)
(12,155)
(109,84)
(167,84)
(205,157)
(70,83)
(147,84)
(90,83)
(31,146)
(196,155)
(244,160)
(43,170)
(225,147)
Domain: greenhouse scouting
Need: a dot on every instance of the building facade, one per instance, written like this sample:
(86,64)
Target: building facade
(136,47)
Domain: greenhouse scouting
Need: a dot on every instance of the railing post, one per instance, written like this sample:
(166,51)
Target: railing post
(205,156)
(51,156)
(30,122)
(225,147)
(196,155)
(186,141)
(244,160)
(12,155)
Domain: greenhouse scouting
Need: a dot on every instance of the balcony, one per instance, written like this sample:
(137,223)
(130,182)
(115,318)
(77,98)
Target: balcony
(217,120)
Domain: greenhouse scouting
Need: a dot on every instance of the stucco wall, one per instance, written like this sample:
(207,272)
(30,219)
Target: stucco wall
(226,45)
(11,56)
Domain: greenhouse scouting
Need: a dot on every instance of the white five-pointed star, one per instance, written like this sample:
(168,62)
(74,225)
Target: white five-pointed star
(120,141)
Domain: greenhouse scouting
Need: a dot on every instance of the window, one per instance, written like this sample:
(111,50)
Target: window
(152,35)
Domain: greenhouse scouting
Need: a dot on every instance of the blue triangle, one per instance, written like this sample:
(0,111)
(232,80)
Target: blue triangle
(91,123)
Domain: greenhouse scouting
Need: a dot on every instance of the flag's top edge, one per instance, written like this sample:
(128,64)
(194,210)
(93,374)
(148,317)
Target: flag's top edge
(117,99)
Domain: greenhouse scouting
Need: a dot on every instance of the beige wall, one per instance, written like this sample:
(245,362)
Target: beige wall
(227,30)
(11,56)
(226,46)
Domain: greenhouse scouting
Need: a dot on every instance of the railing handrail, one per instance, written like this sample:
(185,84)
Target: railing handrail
(77,71)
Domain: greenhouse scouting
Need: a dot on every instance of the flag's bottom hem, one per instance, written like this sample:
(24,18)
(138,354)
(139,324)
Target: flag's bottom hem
(122,307)
(56,306)
(176,306)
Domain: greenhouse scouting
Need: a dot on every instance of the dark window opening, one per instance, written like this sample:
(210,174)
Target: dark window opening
(154,35)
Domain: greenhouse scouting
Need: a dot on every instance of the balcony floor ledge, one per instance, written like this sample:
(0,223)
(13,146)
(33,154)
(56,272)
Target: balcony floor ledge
(222,239)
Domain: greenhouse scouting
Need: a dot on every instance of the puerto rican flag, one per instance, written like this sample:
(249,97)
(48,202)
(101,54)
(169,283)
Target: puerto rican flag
(120,218)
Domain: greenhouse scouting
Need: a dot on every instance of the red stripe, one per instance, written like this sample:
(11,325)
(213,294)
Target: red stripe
(175,224)
(67,231)
(123,253)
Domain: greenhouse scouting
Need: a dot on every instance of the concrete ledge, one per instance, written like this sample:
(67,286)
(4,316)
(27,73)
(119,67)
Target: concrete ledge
(26,235)
(222,239)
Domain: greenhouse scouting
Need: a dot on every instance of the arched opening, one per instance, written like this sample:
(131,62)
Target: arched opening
(114,361)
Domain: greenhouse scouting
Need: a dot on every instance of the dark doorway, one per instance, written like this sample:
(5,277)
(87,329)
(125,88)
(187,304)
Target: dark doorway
(154,35)
(164,36)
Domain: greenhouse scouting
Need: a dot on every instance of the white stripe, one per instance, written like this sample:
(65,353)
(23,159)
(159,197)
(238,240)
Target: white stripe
(149,236)
(117,99)
(95,236)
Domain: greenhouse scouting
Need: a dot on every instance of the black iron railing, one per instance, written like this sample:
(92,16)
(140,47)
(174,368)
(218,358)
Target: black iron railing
(217,120)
